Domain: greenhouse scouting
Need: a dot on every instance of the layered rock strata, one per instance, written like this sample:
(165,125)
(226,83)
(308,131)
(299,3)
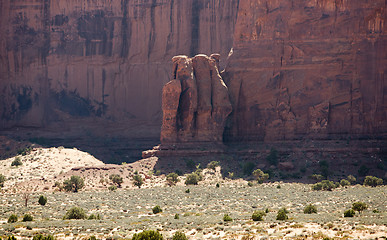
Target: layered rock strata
(308,70)
(195,102)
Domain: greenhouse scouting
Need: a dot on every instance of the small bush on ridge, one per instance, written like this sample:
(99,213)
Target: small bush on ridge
(344,182)
(27,218)
(212,165)
(258,215)
(73,184)
(349,213)
(172,179)
(157,209)
(372,181)
(12,218)
(75,213)
(179,236)
(227,218)
(282,214)
(116,179)
(137,180)
(359,206)
(192,179)
(260,175)
(310,208)
(2,180)
(17,162)
(43,237)
(148,235)
(42,200)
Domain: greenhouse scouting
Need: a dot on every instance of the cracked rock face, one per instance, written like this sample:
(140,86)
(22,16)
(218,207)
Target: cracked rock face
(195,102)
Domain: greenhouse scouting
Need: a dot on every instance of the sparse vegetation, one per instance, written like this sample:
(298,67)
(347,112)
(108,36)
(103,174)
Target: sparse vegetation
(192,179)
(187,190)
(42,200)
(75,213)
(258,215)
(260,175)
(349,213)
(316,177)
(16,162)
(324,185)
(137,180)
(27,218)
(344,182)
(112,188)
(351,179)
(156,209)
(2,180)
(212,165)
(94,217)
(310,208)
(372,181)
(177,216)
(282,214)
(148,235)
(12,218)
(116,179)
(74,184)
(359,206)
(179,236)
(43,237)
(172,179)
(227,218)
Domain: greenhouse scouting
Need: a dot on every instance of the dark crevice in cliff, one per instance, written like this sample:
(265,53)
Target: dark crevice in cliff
(125,29)
(195,25)
(152,34)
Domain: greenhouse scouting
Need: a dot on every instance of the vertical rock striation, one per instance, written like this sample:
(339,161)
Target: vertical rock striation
(195,102)
(308,69)
(77,58)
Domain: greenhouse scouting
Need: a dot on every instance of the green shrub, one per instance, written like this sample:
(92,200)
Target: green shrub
(316,177)
(43,237)
(227,218)
(282,214)
(94,217)
(267,210)
(359,206)
(324,185)
(192,179)
(42,200)
(179,236)
(351,179)
(250,183)
(75,213)
(172,178)
(27,218)
(16,162)
(248,168)
(92,238)
(212,165)
(349,213)
(177,216)
(272,158)
(260,175)
(157,173)
(137,180)
(116,179)
(157,209)
(344,182)
(148,235)
(74,184)
(372,181)
(2,180)
(258,215)
(12,218)
(310,208)
(112,188)
(187,190)
(12,237)
(217,185)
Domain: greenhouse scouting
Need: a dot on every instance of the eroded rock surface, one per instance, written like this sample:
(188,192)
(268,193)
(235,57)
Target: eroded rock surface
(308,69)
(195,102)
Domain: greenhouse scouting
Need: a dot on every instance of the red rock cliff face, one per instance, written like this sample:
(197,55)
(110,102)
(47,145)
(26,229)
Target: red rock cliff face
(73,58)
(313,69)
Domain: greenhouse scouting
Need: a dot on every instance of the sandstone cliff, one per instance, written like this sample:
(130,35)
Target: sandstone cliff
(61,59)
(308,69)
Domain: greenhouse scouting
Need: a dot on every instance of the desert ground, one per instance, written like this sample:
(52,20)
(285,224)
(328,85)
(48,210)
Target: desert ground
(128,209)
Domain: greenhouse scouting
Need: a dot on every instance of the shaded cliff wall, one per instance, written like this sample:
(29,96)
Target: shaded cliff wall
(61,59)
(308,69)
